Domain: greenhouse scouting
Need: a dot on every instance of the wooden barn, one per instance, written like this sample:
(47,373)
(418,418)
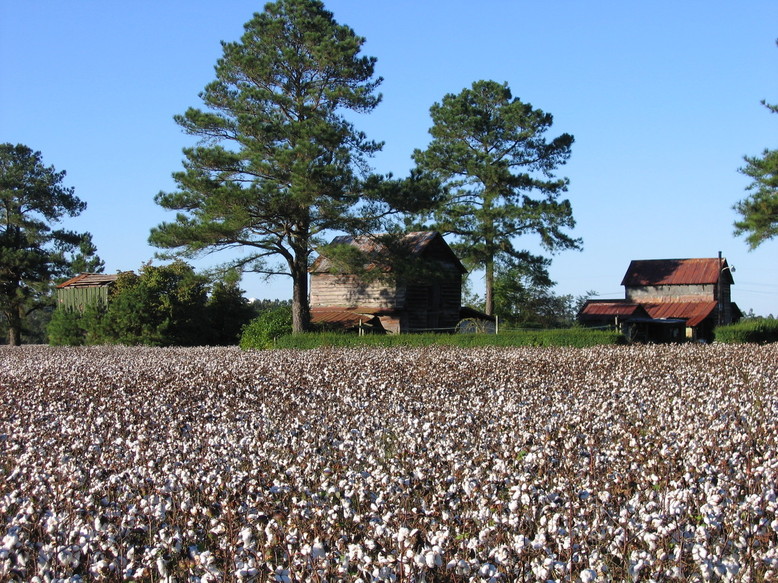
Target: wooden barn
(390,301)
(84,290)
(695,292)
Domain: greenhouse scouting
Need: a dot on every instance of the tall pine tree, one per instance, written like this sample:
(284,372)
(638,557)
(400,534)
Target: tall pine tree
(491,152)
(33,254)
(278,162)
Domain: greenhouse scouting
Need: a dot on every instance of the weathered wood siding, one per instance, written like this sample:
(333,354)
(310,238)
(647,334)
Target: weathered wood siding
(77,298)
(674,293)
(348,291)
(435,305)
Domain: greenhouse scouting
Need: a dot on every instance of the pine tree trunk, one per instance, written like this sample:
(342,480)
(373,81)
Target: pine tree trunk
(14,327)
(489,278)
(301,312)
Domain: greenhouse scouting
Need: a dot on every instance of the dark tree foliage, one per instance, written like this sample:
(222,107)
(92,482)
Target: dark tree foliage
(228,312)
(84,258)
(278,162)
(524,297)
(491,152)
(169,305)
(33,255)
(160,306)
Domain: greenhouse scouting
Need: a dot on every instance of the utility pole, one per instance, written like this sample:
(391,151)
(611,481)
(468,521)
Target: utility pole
(718,292)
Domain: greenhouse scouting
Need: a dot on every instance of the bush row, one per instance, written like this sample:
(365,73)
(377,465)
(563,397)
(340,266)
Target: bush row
(758,330)
(169,305)
(576,337)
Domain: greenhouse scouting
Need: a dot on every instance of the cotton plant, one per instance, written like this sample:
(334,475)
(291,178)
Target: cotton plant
(431,464)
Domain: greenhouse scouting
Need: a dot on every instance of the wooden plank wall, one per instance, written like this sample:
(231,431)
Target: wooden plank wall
(349,291)
(674,293)
(77,298)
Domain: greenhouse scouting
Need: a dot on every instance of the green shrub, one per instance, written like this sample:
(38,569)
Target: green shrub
(69,327)
(263,330)
(578,337)
(66,328)
(756,330)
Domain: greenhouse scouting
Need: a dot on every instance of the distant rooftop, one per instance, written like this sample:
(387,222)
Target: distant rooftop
(676,272)
(90,280)
(415,243)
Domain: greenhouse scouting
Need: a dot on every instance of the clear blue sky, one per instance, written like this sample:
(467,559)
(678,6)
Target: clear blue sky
(661,96)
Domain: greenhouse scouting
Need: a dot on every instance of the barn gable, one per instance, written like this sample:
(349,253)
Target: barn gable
(84,290)
(401,305)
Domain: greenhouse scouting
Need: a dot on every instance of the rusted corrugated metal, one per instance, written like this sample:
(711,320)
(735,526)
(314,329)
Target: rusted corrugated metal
(693,312)
(89,280)
(346,318)
(416,243)
(643,272)
(611,308)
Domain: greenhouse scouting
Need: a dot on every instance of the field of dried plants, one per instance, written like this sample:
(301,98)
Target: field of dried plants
(409,465)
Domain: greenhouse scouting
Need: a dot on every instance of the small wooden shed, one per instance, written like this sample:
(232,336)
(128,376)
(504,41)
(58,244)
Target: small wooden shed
(84,290)
(401,303)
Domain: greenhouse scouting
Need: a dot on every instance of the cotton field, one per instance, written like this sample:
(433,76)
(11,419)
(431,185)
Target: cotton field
(389,465)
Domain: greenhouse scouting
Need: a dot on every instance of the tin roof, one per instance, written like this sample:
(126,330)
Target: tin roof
(693,312)
(345,317)
(612,308)
(415,243)
(676,272)
(90,280)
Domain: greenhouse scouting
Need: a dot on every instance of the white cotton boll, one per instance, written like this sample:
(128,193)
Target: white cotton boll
(317,550)
(162,567)
(487,570)
(635,568)
(588,575)
(429,559)
(650,539)
(520,542)
(10,541)
(247,537)
(674,573)
(539,542)
(699,553)
(540,571)
(707,571)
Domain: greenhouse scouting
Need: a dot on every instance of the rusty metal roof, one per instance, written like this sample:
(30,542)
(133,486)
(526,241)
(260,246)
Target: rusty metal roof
(693,312)
(344,317)
(612,308)
(676,272)
(90,280)
(416,243)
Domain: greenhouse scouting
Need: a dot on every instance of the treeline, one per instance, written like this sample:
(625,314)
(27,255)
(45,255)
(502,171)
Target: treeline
(169,305)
